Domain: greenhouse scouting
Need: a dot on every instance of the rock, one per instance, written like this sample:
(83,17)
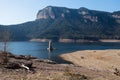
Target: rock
(49,61)
(13,65)
(28,64)
(117,71)
(46,61)
(19,57)
(26,57)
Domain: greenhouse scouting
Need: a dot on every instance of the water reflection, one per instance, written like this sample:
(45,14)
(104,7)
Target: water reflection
(49,54)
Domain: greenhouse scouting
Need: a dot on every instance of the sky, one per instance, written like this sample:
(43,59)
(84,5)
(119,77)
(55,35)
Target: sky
(20,11)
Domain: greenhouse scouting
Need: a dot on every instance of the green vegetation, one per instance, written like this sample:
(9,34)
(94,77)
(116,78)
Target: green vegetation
(75,24)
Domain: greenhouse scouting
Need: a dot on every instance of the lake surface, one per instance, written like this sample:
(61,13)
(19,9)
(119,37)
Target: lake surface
(39,49)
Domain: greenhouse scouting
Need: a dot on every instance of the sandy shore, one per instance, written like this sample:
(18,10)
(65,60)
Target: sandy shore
(95,59)
(109,40)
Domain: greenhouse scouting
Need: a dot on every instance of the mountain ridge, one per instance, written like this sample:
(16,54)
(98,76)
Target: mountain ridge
(65,23)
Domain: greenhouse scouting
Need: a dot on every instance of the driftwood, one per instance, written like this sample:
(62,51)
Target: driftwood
(26,67)
(17,65)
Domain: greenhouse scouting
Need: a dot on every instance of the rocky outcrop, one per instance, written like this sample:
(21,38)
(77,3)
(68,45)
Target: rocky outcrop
(46,13)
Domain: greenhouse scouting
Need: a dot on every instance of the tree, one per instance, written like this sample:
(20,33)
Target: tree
(5,38)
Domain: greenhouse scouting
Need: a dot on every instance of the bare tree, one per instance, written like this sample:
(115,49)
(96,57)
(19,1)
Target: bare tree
(5,38)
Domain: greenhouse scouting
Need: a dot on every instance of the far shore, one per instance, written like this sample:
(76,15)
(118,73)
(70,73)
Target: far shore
(109,40)
(76,41)
(95,59)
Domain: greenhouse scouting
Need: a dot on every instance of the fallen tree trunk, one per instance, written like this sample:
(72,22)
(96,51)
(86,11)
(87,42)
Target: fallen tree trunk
(26,67)
(17,65)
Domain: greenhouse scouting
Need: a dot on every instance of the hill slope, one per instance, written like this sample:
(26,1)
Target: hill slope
(60,22)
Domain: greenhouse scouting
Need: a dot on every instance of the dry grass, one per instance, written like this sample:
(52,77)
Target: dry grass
(99,59)
(74,76)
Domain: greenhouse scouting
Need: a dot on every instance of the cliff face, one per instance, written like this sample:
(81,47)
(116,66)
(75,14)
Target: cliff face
(116,15)
(80,23)
(46,13)
(52,12)
(84,13)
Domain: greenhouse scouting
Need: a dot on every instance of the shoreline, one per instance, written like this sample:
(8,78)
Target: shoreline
(48,70)
(75,40)
(95,59)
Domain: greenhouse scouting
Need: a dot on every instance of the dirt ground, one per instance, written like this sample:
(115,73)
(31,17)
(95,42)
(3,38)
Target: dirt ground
(47,70)
(102,60)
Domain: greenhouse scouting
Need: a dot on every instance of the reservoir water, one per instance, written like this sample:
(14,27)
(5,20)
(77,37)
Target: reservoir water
(39,49)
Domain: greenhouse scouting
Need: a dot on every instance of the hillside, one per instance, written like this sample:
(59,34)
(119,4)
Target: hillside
(65,23)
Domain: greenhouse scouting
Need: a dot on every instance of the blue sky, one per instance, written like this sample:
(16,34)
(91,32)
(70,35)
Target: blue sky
(19,11)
